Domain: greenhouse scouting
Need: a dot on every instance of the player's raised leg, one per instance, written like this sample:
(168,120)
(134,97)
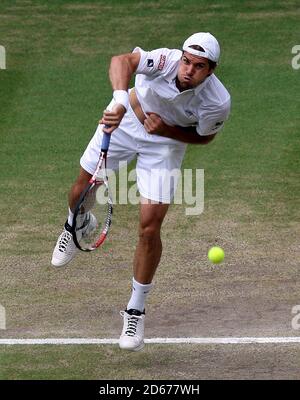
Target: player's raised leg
(147,256)
(65,249)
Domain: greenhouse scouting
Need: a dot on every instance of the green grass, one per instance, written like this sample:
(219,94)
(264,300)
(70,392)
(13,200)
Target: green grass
(51,97)
(99,363)
(156,363)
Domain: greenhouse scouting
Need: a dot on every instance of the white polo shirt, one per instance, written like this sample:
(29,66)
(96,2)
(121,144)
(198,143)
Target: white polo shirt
(206,107)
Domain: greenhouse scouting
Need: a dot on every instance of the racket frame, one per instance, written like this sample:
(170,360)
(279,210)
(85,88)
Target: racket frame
(101,164)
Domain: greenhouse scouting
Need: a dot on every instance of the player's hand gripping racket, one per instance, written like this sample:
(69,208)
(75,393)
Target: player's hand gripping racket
(93,211)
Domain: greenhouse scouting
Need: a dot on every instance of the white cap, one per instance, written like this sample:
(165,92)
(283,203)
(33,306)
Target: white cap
(205,40)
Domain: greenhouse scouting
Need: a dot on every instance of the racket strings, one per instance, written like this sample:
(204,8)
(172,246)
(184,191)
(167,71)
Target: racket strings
(93,214)
(83,221)
(84,215)
(90,198)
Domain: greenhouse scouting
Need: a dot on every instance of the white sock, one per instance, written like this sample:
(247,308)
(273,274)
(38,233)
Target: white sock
(138,295)
(70,217)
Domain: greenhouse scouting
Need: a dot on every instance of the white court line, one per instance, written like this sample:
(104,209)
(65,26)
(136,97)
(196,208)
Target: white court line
(187,340)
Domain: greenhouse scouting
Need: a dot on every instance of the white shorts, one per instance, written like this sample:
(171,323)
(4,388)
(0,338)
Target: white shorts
(158,159)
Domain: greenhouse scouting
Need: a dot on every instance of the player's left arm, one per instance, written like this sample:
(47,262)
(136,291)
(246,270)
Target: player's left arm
(203,133)
(155,125)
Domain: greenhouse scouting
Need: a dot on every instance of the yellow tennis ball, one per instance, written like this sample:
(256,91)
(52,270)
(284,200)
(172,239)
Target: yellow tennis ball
(216,254)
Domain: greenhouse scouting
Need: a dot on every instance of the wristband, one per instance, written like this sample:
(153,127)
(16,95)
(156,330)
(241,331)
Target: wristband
(121,97)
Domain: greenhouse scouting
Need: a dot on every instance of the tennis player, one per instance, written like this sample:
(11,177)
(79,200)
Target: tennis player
(177,99)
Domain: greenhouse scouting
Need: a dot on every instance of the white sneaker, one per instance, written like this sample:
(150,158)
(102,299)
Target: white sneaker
(65,249)
(132,336)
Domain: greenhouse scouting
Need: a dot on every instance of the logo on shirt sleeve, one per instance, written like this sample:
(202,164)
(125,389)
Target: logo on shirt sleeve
(161,62)
(150,63)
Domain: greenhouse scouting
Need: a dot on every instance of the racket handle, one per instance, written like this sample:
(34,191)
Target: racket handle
(105,141)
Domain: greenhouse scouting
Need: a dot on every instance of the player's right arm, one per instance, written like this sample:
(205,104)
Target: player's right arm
(122,68)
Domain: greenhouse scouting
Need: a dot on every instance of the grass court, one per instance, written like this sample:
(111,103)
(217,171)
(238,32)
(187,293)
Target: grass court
(52,94)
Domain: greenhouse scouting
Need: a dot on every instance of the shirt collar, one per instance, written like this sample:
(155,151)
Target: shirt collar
(202,85)
(172,77)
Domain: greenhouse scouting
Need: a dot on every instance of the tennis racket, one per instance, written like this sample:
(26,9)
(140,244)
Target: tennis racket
(93,211)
